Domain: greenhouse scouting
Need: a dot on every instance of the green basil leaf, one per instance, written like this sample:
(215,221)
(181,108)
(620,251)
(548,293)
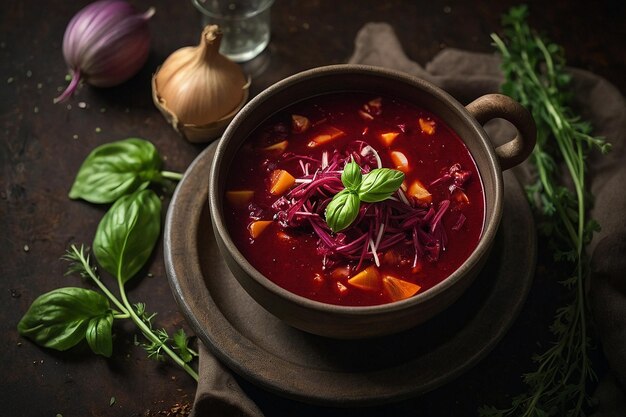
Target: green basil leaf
(127,234)
(379,184)
(351,176)
(115,169)
(342,210)
(99,335)
(58,319)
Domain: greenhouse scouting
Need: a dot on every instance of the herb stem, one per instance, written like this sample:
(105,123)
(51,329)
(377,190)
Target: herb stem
(89,270)
(536,76)
(549,190)
(149,334)
(172,175)
(585,371)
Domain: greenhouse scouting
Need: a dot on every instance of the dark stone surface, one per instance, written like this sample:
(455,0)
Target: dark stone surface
(42,146)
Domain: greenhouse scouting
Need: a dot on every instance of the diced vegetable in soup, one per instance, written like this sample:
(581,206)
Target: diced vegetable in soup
(290,170)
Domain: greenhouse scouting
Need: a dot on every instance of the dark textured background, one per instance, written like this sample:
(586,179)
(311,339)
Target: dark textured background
(43,144)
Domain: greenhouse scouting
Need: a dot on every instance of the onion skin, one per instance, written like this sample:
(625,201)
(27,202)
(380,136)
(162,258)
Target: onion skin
(198,84)
(105,44)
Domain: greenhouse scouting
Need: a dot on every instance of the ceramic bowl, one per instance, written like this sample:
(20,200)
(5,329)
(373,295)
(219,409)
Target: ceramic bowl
(363,322)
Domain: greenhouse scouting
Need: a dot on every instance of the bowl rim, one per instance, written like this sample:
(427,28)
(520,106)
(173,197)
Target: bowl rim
(490,225)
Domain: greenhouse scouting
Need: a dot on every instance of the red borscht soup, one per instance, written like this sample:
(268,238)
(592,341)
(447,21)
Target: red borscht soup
(290,168)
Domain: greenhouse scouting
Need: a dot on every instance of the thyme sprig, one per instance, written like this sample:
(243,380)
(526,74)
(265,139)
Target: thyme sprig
(157,340)
(536,76)
(179,340)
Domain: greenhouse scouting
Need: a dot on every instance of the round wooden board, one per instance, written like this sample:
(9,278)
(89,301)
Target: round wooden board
(301,366)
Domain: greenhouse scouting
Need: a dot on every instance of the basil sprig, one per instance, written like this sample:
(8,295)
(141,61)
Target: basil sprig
(351,176)
(125,238)
(118,168)
(99,334)
(127,234)
(377,185)
(342,210)
(62,318)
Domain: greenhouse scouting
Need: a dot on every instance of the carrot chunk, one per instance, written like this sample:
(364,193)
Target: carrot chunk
(365,116)
(460,197)
(427,126)
(257,227)
(341,289)
(318,281)
(240,198)
(299,124)
(398,289)
(281,181)
(419,192)
(283,237)
(375,106)
(391,257)
(388,138)
(367,279)
(400,161)
(278,146)
(330,133)
(341,272)
(319,140)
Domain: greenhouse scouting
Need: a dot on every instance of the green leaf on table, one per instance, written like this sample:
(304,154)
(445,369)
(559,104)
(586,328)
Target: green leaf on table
(116,169)
(59,319)
(99,334)
(127,234)
(342,210)
(379,184)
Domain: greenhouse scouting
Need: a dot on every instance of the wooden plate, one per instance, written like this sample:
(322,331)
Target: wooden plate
(286,361)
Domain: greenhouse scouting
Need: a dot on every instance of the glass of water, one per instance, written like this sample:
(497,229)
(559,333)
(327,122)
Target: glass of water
(245,25)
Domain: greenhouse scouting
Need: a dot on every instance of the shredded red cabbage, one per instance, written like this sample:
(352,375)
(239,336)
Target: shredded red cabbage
(379,226)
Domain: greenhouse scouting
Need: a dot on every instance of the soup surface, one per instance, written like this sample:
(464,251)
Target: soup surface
(289,169)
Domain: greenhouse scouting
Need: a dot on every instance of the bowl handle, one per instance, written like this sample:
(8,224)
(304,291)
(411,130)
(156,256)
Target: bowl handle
(498,106)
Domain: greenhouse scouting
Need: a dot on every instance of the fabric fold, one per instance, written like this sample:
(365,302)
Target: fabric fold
(218,393)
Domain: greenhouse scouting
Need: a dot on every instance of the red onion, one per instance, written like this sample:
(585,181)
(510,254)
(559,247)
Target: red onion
(105,44)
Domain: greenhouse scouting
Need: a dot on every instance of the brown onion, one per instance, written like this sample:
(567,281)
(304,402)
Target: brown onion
(198,90)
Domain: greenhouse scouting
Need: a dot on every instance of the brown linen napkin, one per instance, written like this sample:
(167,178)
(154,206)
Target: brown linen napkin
(218,394)
(467,76)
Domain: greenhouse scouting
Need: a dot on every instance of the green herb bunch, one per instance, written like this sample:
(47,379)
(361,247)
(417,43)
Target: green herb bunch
(536,77)
(117,172)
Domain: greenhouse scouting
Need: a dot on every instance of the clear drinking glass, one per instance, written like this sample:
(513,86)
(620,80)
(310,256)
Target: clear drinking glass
(244,23)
